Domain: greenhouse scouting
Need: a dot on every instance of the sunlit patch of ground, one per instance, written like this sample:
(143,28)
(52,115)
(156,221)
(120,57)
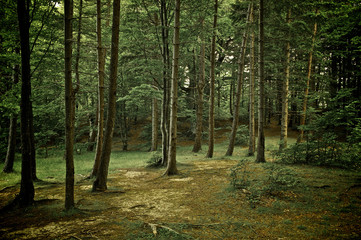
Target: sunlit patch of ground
(198,204)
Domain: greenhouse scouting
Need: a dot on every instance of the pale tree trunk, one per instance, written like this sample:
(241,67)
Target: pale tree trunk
(172,162)
(200,90)
(166,66)
(241,60)
(69,101)
(261,101)
(155,121)
(284,116)
(101,74)
(10,154)
(252,137)
(305,97)
(211,85)
(100,183)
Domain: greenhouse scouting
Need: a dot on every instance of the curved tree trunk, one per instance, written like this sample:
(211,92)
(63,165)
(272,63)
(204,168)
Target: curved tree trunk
(241,59)
(261,101)
(100,184)
(211,85)
(172,162)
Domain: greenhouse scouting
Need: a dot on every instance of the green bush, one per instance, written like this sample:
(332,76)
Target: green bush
(242,136)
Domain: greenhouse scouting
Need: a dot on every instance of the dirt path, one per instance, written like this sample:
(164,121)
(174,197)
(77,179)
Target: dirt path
(140,204)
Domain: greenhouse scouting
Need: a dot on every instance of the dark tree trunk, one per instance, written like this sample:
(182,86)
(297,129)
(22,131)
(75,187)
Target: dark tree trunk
(261,101)
(69,107)
(26,195)
(100,184)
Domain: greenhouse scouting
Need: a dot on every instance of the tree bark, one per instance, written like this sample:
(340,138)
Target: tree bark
(200,89)
(100,184)
(241,60)
(261,101)
(172,162)
(211,85)
(69,106)
(101,74)
(154,125)
(252,135)
(305,97)
(284,117)
(166,66)
(26,195)
(10,154)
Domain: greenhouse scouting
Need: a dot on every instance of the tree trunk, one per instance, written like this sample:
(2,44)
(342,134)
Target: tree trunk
(211,85)
(284,116)
(101,74)
(154,125)
(241,59)
(305,98)
(172,163)
(166,66)
(261,101)
(252,137)
(69,107)
(100,184)
(26,195)
(200,89)
(10,154)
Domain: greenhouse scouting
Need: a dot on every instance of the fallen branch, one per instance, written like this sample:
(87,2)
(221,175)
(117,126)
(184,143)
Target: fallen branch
(154,227)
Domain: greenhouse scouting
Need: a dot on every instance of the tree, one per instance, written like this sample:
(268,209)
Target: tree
(171,166)
(284,115)
(26,195)
(241,60)
(252,138)
(211,85)
(100,106)
(261,101)
(69,107)
(200,91)
(100,184)
(306,92)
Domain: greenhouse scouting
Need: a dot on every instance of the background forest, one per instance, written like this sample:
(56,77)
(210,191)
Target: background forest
(305,77)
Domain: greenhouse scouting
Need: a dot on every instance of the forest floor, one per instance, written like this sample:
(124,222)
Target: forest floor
(199,203)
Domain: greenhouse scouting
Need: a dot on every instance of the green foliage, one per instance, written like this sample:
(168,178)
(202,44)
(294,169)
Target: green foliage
(240,175)
(155,160)
(242,136)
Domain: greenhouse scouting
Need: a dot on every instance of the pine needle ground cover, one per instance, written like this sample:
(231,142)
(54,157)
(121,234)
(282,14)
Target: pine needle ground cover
(219,198)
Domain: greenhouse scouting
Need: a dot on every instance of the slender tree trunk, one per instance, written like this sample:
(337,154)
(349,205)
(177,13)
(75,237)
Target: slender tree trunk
(10,154)
(284,116)
(241,60)
(69,106)
(166,66)
(200,89)
(211,85)
(172,163)
(305,98)
(92,123)
(252,135)
(154,125)
(101,74)
(261,101)
(100,184)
